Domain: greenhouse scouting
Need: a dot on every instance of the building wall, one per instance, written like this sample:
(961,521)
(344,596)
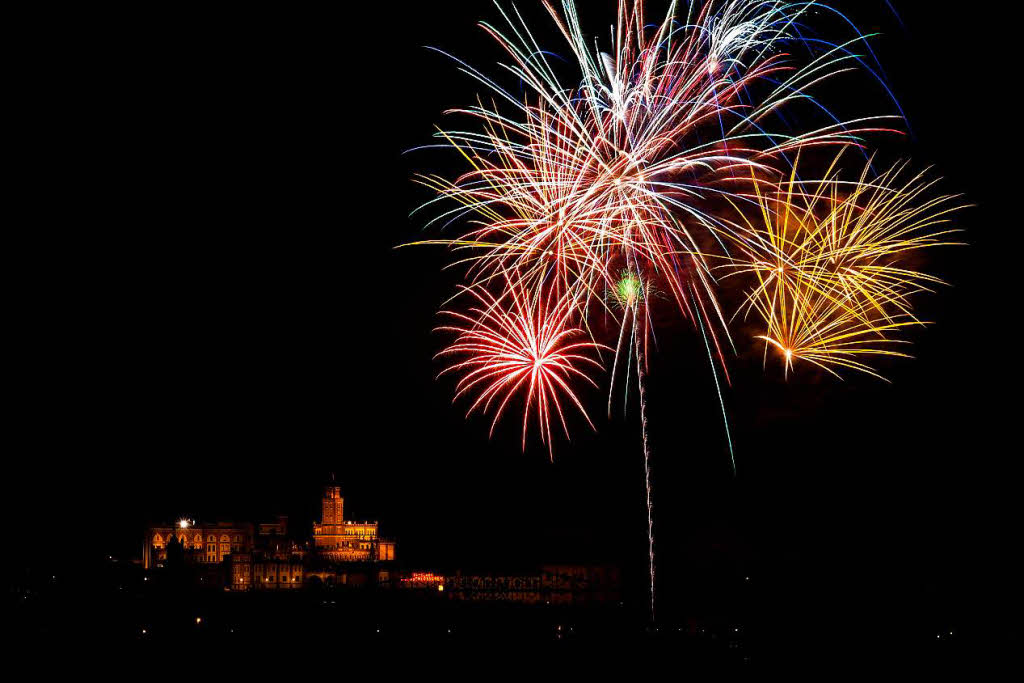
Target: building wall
(241,572)
(277,575)
(250,571)
(203,543)
(353,541)
(272,561)
(277,528)
(332,505)
(355,535)
(385,551)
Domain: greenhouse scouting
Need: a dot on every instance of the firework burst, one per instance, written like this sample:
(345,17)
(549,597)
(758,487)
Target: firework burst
(831,262)
(580,197)
(621,164)
(520,345)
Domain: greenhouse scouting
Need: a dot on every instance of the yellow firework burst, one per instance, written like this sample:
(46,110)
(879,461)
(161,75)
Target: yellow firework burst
(831,262)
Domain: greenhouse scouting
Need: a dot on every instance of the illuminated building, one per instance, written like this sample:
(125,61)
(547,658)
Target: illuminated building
(201,543)
(241,560)
(340,540)
(257,572)
(276,528)
(275,563)
(550,584)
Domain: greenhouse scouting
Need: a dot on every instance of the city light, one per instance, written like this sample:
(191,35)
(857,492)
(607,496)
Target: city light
(425,579)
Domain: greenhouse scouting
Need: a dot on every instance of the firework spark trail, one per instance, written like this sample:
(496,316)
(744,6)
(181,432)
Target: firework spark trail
(518,342)
(637,162)
(832,285)
(641,378)
(595,170)
(631,293)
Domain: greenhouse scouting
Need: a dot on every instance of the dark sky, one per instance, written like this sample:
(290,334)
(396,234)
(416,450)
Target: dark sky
(209,316)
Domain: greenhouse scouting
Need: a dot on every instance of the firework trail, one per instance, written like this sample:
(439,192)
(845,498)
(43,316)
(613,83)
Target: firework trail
(832,281)
(619,167)
(631,294)
(622,162)
(641,380)
(518,343)
(654,157)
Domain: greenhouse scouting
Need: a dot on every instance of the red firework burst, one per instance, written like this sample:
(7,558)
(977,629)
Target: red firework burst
(520,344)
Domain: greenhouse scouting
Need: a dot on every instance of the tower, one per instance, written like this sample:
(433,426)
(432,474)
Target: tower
(333,505)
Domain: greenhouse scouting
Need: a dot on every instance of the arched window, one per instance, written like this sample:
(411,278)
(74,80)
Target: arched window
(225,546)
(158,540)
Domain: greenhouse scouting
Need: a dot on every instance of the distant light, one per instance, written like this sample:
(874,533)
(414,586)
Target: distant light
(440,588)
(184,523)
(199,620)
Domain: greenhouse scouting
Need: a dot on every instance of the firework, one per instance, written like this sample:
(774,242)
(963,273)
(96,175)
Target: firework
(832,262)
(631,293)
(520,345)
(618,166)
(582,196)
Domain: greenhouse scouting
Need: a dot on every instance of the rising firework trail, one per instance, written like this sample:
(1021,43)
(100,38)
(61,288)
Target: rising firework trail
(631,294)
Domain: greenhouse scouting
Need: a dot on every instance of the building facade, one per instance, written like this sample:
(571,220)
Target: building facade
(340,540)
(201,543)
(269,559)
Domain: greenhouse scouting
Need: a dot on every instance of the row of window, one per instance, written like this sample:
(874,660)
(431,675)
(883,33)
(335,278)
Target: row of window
(197,540)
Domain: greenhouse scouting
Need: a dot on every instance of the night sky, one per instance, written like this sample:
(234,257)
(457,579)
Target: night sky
(210,317)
